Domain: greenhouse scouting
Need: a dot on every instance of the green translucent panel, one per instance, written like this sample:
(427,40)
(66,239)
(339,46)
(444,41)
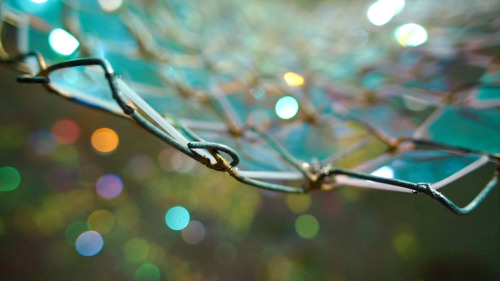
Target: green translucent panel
(138,71)
(395,114)
(49,11)
(255,154)
(180,108)
(488,93)
(107,27)
(85,84)
(423,165)
(39,41)
(309,142)
(466,127)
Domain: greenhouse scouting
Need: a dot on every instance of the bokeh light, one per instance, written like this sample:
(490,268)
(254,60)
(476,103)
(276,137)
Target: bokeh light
(10,178)
(110,5)
(12,136)
(384,172)
(42,142)
(104,140)
(382,11)
(101,221)
(286,107)
(193,233)
(293,79)
(281,268)
(141,166)
(177,218)
(298,203)
(173,160)
(136,250)
(89,243)
(147,272)
(38,1)
(127,214)
(410,35)
(63,42)
(405,244)
(307,226)
(65,131)
(109,186)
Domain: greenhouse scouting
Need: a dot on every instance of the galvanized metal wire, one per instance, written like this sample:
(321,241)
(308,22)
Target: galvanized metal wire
(311,175)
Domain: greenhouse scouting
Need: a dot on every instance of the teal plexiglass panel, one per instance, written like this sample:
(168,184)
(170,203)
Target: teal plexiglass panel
(86,84)
(256,155)
(428,166)
(477,129)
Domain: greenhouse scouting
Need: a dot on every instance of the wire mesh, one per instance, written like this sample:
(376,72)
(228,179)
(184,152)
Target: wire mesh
(281,106)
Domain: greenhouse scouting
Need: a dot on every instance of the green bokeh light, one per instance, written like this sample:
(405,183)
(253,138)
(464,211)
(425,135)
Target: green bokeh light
(307,226)
(74,229)
(9,178)
(147,272)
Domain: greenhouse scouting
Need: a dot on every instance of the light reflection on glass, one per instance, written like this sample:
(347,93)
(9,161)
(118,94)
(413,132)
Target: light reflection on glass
(109,186)
(193,233)
(286,107)
(177,218)
(89,243)
(410,35)
(384,172)
(63,42)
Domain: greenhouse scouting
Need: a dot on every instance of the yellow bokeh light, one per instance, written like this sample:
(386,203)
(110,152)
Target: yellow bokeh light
(293,79)
(405,244)
(104,140)
(298,203)
(136,250)
(101,221)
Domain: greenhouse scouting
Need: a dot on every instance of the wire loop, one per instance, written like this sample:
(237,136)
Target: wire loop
(215,148)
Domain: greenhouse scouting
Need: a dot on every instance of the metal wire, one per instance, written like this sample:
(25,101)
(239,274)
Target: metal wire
(211,154)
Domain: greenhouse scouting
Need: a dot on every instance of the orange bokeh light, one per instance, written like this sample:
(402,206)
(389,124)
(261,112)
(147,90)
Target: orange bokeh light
(104,140)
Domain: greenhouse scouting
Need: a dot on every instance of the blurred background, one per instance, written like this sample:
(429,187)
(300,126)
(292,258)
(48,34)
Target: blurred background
(87,195)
